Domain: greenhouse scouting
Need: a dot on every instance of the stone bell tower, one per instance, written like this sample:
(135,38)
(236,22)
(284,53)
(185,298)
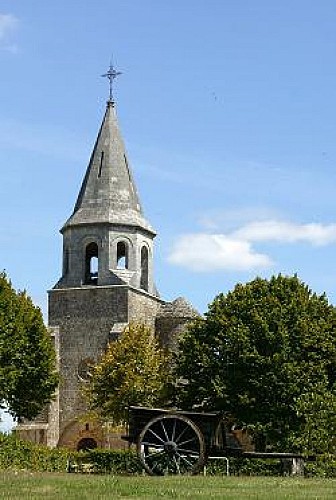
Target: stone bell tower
(107,241)
(106,282)
(107,276)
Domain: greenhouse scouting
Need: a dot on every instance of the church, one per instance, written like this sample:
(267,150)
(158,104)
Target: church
(107,281)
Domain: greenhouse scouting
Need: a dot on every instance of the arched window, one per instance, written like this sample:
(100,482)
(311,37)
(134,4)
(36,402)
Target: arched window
(91,264)
(144,269)
(122,255)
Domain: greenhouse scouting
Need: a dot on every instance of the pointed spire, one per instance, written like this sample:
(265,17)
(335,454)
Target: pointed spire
(108,193)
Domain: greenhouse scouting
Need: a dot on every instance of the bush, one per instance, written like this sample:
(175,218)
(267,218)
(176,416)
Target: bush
(323,466)
(109,461)
(23,455)
(18,455)
(245,467)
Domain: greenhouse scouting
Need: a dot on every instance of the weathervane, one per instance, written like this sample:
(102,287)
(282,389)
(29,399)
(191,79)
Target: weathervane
(111,75)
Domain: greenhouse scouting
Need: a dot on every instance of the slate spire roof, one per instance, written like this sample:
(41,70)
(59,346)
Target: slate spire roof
(108,193)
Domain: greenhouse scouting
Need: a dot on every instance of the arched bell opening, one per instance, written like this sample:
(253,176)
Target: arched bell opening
(122,255)
(144,269)
(91,264)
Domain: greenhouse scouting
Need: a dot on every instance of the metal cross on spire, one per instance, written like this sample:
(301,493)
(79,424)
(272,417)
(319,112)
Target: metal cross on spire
(111,75)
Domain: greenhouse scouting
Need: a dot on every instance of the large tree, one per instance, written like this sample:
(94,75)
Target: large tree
(265,354)
(28,376)
(133,371)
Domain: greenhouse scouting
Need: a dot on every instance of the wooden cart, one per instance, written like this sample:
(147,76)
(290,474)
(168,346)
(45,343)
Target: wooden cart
(181,442)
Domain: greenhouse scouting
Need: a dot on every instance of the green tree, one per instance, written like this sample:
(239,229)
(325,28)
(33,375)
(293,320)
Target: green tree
(259,354)
(133,371)
(28,377)
(317,411)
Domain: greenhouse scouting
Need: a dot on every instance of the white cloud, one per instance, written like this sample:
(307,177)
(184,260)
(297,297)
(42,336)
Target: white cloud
(224,221)
(287,232)
(234,251)
(8,26)
(210,252)
(7,23)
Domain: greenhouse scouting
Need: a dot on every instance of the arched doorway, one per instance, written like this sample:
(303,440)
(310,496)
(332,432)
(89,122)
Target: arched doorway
(86,444)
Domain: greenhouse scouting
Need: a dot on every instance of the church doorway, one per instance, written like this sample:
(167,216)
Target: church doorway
(86,444)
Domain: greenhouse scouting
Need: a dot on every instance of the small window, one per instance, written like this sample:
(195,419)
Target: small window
(128,170)
(122,255)
(144,269)
(101,163)
(66,262)
(91,264)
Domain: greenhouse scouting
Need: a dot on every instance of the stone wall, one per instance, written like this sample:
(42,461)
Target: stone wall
(88,302)
(83,320)
(143,307)
(36,433)
(85,317)
(172,320)
(168,331)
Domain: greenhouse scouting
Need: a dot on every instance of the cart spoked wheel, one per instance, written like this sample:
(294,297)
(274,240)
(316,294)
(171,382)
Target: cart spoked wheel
(171,444)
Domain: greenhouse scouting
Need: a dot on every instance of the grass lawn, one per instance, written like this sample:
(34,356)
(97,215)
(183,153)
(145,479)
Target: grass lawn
(24,485)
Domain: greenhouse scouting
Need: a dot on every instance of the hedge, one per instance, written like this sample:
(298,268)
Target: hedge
(23,455)
(103,461)
(323,466)
(18,455)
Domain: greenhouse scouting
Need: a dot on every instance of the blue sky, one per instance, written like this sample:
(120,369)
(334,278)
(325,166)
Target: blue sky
(227,109)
